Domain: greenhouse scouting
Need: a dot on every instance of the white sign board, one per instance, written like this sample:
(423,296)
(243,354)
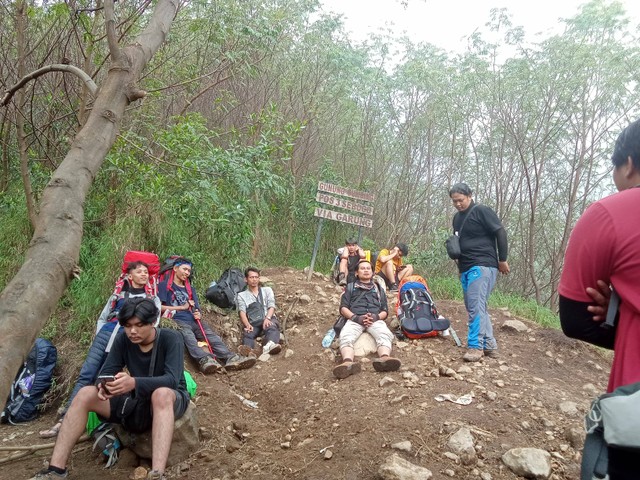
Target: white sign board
(343,217)
(344,203)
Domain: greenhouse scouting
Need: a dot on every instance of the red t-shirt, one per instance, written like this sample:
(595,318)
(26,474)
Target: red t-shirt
(605,245)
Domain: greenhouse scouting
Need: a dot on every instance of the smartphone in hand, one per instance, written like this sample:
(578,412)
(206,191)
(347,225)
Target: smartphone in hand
(103,380)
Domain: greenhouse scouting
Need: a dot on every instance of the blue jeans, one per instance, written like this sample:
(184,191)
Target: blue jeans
(94,361)
(191,333)
(477,284)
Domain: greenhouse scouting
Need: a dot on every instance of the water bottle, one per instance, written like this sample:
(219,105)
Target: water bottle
(328,338)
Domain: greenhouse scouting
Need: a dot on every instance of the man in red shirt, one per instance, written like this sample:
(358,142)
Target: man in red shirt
(605,247)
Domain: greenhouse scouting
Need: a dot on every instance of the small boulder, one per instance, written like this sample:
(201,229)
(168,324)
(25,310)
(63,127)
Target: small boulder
(404,446)
(397,468)
(364,345)
(305,299)
(528,462)
(514,326)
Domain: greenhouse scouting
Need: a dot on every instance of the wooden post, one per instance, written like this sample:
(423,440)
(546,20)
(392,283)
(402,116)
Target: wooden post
(315,249)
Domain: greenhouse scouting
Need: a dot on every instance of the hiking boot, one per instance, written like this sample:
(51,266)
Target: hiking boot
(491,353)
(386,364)
(473,355)
(49,474)
(272,348)
(209,365)
(238,362)
(346,369)
(247,351)
(155,475)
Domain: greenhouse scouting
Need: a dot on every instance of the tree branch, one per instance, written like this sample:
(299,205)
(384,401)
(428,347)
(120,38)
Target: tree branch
(56,67)
(112,36)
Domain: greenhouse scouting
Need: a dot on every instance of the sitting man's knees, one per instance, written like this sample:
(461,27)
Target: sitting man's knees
(162,397)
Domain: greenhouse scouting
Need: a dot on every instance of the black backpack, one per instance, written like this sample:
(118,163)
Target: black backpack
(223,293)
(32,382)
(418,314)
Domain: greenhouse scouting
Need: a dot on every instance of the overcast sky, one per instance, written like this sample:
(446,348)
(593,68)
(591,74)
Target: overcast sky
(446,23)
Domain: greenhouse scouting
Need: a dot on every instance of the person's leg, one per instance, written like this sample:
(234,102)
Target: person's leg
(405,272)
(384,338)
(75,422)
(272,334)
(190,340)
(348,335)
(389,271)
(88,372)
(489,277)
(162,406)
(477,283)
(249,338)
(220,349)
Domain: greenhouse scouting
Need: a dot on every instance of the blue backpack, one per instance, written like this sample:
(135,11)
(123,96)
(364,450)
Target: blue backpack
(32,382)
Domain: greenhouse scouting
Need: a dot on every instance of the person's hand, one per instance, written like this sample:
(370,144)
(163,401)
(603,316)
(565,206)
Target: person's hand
(394,251)
(266,323)
(197,315)
(367,319)
(102,395)
(358,319)
(600,296)
(504,267)
(192,303)
(248,328)
(122,384)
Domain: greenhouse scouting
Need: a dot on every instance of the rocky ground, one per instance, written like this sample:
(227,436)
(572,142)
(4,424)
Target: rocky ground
(308,425)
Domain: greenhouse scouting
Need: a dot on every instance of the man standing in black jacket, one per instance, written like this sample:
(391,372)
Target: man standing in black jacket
(484,249)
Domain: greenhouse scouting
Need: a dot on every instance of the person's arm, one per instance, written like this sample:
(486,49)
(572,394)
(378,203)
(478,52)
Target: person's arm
(170,358)
(503,251)
(393,253)
(102,319)
(361,253)
(242,312)
(577,322)
(158,305)
(269,301)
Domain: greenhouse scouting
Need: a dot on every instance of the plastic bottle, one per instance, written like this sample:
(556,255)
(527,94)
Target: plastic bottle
(328,338)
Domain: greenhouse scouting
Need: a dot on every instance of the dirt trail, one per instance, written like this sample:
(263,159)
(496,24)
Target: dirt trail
(516,403)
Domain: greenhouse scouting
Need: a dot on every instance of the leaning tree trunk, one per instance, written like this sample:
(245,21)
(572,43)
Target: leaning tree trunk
(51,259)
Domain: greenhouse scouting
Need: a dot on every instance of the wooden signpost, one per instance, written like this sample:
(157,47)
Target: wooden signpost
(334,196)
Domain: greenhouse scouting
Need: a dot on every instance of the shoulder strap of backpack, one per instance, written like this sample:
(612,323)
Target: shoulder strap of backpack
(154,353)
(465,219)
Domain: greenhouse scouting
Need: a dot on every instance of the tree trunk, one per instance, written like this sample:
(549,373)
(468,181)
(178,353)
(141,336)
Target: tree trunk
(51,259)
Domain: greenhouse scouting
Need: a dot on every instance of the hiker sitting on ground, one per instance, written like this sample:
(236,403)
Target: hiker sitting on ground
(161,397)
(134,285)
(389,265)
(365,310)
(351,255)
(256,307)
(180,302)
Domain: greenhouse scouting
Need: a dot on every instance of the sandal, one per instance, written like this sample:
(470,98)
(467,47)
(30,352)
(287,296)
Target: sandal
(51,432)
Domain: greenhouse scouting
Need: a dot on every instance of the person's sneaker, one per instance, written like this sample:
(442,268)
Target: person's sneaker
(239,362)
(491,353)
(346,369)
(272,348)
(342,279)
(155,475)
(393,287)
(386,364)
(473,355)
(50,474)
(209,365)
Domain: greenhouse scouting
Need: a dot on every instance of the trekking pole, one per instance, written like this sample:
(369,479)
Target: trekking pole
(205,336)
(455,337)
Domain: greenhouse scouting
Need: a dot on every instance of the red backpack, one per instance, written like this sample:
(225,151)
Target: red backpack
(152,261)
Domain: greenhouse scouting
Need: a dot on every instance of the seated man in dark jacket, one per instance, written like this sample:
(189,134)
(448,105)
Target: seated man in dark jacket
(161,396)
(365,310)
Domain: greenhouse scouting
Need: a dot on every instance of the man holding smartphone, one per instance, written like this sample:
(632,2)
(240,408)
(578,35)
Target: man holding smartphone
(160,398)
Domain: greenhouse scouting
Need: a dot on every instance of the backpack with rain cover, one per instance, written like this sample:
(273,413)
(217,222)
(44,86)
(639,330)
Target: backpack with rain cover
(417,311)
(32,382)
(223,292)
